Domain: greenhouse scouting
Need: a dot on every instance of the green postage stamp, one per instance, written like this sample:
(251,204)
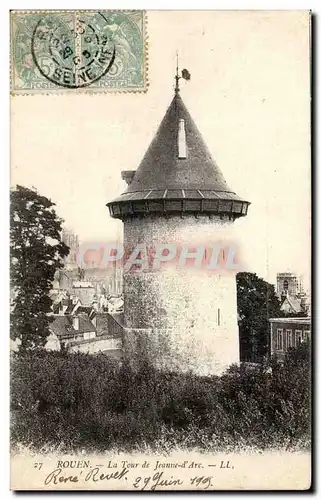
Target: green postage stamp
(78,50)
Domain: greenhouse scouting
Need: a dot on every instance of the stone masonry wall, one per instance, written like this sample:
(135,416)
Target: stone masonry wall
(181,318)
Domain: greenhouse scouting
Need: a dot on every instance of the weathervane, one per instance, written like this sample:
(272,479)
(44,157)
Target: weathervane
(185,74)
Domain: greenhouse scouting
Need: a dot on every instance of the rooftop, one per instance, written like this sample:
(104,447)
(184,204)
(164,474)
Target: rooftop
(303,320)
(177,174)
(82,284)
(62,326)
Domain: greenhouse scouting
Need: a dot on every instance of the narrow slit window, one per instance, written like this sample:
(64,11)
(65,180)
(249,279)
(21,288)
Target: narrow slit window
(219,317)
(288,339)
(279,339)
(298,337)
(181,140)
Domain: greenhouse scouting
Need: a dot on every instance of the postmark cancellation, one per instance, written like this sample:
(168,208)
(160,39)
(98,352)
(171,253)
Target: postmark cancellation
(59,51)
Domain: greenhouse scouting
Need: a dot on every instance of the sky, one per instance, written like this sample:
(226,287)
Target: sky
(249,96)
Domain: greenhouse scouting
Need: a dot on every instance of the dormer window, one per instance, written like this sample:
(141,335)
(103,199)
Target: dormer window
(128,175)
(181,140)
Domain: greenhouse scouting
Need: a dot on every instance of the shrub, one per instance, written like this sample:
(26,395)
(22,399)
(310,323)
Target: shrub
(79,400)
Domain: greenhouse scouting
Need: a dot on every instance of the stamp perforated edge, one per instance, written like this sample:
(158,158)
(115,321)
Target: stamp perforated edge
(88,91)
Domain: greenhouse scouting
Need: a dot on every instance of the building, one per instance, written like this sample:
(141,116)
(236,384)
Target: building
(65,277)
(87,331)
(182,318)
(289,288)
(71,240)
(84,291)
(288,283)
(106,280)
(288,332)
(294,305)
(116,285)
(66,329)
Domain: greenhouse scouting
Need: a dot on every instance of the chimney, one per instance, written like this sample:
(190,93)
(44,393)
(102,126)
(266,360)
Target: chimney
(128,175)
(181,139)
(303,304)
(75,322)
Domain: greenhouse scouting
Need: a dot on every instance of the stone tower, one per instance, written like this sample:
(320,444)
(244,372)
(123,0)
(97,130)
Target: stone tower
(288,283)
(182,317)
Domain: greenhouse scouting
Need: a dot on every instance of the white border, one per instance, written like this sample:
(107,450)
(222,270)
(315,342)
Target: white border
(4,183)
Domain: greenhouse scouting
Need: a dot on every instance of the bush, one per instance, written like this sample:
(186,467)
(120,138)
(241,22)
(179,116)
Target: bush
(91,402)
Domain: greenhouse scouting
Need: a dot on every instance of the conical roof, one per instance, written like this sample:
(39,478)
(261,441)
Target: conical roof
(161,166)
(170,179)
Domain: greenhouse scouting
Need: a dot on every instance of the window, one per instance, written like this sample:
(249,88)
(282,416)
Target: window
(306,335)
(288,339)
(244,208)
(298,337)
(219,317)
(279,339)
(181,139)
(89,335)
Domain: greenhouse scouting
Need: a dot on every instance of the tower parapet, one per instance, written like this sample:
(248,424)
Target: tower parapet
(168,182)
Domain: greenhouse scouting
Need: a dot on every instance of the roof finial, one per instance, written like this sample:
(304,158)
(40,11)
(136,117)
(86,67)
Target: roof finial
(177,77)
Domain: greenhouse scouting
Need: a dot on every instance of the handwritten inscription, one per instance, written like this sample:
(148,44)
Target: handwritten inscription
(158,480)
(56,477)
(143,475)
(95,475)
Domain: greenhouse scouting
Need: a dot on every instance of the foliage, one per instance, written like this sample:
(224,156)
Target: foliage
(256,303)
(36,253)
(79,401)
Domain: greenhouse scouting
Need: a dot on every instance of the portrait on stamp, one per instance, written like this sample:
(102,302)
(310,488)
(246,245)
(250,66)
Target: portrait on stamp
(161,328)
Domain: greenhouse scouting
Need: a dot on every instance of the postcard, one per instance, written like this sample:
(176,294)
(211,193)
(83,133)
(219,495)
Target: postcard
(160,335)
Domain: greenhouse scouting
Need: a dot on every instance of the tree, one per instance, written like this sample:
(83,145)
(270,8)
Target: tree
(256,303)
(36,252)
